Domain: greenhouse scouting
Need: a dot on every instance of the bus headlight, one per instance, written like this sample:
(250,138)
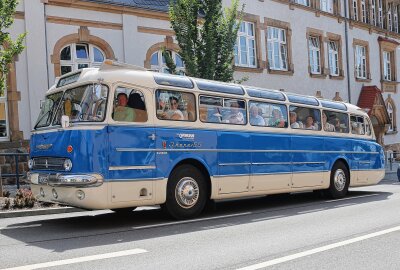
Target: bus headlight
(31,163)
(67,165)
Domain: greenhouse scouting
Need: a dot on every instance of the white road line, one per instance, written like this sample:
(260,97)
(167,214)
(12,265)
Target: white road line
(318,250)
(80,259)
(350,198)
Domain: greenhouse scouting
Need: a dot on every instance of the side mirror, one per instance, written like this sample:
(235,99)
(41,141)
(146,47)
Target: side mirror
(65,121)
(41,104)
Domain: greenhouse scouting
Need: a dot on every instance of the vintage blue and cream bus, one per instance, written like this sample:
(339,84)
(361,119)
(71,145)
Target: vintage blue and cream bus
(118,137)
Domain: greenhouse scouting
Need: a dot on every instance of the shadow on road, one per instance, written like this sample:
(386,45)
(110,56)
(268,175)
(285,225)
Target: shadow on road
(92,229)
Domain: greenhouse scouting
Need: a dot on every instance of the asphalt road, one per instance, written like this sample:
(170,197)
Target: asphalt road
(298,231)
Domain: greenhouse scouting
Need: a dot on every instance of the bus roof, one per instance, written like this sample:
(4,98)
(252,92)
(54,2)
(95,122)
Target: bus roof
(120,72)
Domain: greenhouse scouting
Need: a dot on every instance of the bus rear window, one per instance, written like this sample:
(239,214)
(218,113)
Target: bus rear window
(175,106)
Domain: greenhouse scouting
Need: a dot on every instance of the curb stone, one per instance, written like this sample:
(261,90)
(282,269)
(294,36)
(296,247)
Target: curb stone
(37,212)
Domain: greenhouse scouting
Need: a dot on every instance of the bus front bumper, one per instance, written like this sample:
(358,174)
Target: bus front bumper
(84,190)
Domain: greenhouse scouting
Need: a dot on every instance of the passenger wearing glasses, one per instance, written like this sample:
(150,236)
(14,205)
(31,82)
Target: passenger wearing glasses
(173,113)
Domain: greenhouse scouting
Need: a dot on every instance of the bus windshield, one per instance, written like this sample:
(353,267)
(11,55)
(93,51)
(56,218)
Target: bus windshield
(85,103)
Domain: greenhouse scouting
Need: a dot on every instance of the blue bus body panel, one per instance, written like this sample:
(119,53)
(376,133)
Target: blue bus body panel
(267,155)
(200,145)
(131,147)
(90,149)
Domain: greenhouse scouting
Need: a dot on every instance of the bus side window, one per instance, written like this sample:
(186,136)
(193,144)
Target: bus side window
(357,125)
(175,105)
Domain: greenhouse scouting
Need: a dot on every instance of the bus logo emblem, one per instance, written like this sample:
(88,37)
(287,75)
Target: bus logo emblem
(164,144)
(186,136)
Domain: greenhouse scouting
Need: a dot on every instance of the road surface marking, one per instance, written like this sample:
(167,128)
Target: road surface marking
(80,259)
(318,250)
(350,198)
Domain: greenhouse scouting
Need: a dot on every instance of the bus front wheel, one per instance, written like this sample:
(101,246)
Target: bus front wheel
(340,180)
(186,192)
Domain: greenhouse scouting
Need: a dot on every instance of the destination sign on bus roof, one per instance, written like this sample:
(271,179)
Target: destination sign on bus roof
(68,79)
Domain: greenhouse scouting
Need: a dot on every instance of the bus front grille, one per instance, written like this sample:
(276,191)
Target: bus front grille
(48,163)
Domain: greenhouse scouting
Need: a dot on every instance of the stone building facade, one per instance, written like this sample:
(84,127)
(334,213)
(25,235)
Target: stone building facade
(335,49)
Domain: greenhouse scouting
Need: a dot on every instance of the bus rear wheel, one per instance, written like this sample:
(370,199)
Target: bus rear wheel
(340,180)
(186,192)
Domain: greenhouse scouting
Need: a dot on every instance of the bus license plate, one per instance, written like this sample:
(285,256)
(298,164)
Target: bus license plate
(43,178)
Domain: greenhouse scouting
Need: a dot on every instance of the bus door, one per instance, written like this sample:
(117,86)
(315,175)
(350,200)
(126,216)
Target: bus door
(270,169)
(308,161)
(131,141)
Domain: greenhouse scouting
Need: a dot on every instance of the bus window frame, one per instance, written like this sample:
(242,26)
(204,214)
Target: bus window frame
(132,87)
(223,102)
(287,123)
(320,128)
(175,90)
(71,86)
(365,129)
(341,112)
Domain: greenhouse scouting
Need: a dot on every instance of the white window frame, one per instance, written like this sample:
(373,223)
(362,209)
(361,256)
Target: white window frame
(333,57)
(162,67)
(391,116)
(3,99)
(389,17)
(281,41)
(387,67)
(373,12)
(244,34)
(306,3)
(361,61)
(314,50)
(364,17)
(355,9)
(326,5)
(380,13)
(74,62)
(396,18)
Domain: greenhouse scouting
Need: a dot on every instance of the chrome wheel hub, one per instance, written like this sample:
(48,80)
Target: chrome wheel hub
(187,192)
(339,179)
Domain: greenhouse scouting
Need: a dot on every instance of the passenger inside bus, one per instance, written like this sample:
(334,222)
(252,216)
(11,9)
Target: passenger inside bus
(235,116)
(277,119)
(122,112)
(326,125)
(310,123)
(293,121)
(136,102)
(173,113)
(255,117)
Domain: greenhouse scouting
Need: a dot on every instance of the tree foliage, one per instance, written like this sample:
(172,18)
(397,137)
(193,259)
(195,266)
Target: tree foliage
(206,34)
(8,48)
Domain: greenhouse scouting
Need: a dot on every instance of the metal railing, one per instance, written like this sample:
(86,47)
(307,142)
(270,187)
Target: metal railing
(392,158)
(17,175)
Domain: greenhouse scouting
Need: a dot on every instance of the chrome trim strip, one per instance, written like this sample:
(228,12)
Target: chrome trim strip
(288,163)
(134,180)
(364,162)
(274,173)
(310,162)
(120,168)
(239,151)
(234,164)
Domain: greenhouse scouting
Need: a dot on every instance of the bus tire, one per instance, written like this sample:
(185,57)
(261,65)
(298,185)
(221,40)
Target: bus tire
(340,180)
(123,211)
(186,192)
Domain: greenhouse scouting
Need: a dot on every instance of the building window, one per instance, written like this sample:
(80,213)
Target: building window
(391,109)
(355,9)
(333,58)
(361,62)
(396,19)
(327,5)
(390,112)
(364,17)
(314,48)
(158,63)
(277,48)
(245,47)
(380,13)
(373,12)
(303,2)
(3,115)
(389,17)
(80,55)
(387,66)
